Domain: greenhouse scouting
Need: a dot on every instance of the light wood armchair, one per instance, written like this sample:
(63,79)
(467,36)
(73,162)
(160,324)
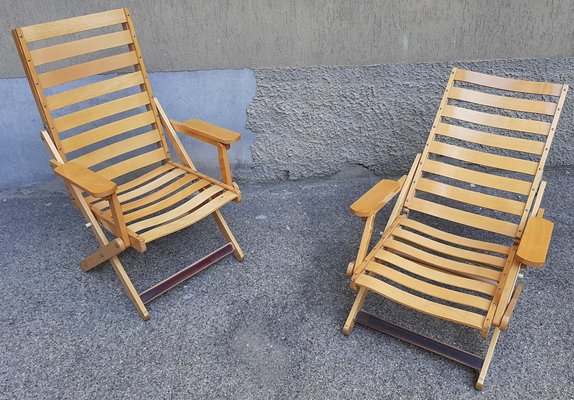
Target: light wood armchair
(467,218)
(106,134)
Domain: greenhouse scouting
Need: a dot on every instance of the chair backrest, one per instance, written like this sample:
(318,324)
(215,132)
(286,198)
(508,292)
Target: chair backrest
(483,161)
(92,90)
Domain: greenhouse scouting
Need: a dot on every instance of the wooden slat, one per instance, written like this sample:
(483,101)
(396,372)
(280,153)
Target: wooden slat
(436,275)
(478,178)
(470,197)
(89,68)
(144,184)
(178,211)
(73,25)
(428,288)
(451,238)
(486,159)
(189,219)
(107,131)
(453,314)
(94,90)
(514,85)
(489,139)
(117,149)
(503,102)
(158,194)
(167,202)
(462,268)
(134,163)
(100,111)
(76,48)
(448,250)
(496,121)
(463,217)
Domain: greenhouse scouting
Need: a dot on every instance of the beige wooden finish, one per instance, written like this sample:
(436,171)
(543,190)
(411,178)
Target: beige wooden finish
(480,171)
(105,135)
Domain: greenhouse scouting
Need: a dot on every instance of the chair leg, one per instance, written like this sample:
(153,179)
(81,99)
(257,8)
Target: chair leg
(357,305)
(226,232)
(489,353)
(129,288)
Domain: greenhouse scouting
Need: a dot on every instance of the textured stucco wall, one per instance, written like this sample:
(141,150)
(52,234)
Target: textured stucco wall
(312,122)
(179,35)
(220,97)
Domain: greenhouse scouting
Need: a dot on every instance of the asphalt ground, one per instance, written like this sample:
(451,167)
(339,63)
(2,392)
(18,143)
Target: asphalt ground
(266,328)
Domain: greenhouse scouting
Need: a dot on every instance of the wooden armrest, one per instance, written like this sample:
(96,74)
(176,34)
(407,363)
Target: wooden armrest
(379,195)
(206,132)
(85,179)
(535,242)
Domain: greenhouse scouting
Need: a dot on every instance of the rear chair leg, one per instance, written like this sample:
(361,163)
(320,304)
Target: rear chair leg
(486,363)
(226,232)
(357,305)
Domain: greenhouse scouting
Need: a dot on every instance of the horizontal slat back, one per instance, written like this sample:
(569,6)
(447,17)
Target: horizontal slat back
(68,26)
(92,90)
(485,153)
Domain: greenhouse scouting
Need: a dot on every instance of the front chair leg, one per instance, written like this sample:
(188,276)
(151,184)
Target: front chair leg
(486,363)
(129,288)
(357,305)
(226,232)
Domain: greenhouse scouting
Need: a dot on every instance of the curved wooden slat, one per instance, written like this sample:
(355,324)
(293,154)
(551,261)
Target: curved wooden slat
(133,164)
(463,217)
(178,211)
(167,202)
(428,288)
(107,131)
(190,218)
(479,178)
(470,197)
(451,238)
(496,121)
(502,102)
(76,48)
(448,313)
(100,111)
(440,262)
(489,139)
(485,159)
(509,84)
(119,148)
(68,26)
(436,275)
(448,250)
(93,90)
(88,68)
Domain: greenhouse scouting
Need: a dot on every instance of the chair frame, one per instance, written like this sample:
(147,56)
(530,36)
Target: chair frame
(508,291)
(79,180)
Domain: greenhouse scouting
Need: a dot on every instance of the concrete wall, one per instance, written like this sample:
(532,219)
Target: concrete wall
(312,122)
(181,35)
(221,97)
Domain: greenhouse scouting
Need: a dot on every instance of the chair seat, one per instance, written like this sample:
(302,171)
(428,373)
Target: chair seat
(164,200)
(436,272)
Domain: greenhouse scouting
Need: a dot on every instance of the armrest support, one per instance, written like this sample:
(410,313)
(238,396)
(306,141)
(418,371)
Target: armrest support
(85,179)
(376,198)
(206,132)
(535,241)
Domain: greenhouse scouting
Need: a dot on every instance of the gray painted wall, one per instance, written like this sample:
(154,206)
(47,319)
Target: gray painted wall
(181,35)
(220,97)
(312,122)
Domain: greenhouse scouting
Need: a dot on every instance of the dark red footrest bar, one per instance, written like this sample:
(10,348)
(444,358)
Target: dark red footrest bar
(453,353)
(186,273)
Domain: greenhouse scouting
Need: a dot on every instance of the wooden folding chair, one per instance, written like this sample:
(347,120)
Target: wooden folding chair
(467,217)
(105,134)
